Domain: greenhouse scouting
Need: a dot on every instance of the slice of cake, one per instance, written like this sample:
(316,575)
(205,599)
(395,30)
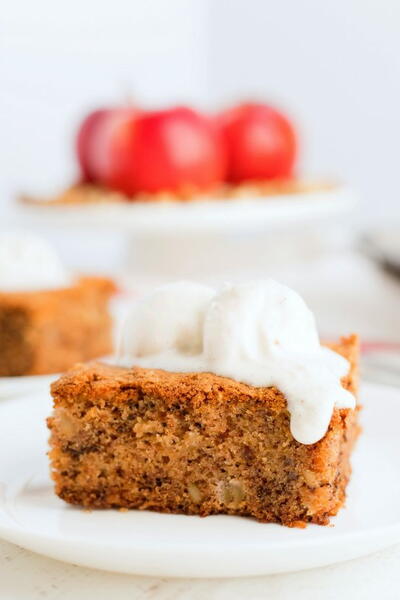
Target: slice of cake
(48,319)
(234,407)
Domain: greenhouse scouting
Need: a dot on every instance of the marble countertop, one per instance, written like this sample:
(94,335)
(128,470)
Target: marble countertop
(27,576)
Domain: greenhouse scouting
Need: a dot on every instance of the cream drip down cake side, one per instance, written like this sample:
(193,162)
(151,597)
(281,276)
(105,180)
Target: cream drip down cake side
(49,319)
(220,402)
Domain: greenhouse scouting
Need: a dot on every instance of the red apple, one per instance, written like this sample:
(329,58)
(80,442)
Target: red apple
(101,139)
(261,142)
(85,141)
(172,149)
(175,149)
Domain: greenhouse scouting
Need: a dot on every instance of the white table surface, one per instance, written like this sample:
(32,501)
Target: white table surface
(27,576)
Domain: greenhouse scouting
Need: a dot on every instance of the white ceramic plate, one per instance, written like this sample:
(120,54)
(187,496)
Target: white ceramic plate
(176,545)
(202,216)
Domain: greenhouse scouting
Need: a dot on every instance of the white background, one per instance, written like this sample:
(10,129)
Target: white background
(334,65)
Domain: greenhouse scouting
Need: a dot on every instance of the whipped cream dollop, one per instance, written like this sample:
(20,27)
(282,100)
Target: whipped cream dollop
(261,333)
(29,263)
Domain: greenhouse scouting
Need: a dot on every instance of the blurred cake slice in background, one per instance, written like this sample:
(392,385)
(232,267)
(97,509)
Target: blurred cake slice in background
(49,319)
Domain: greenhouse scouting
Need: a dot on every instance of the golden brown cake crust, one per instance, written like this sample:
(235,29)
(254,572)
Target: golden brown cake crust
(48,331)
(43,297)
(102,381)
(195,443)
(88,193)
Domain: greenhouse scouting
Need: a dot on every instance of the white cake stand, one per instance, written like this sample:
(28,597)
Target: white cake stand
(208,238)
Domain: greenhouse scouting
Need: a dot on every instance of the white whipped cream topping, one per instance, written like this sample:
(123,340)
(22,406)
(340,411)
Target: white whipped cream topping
(260,333)
(29,263)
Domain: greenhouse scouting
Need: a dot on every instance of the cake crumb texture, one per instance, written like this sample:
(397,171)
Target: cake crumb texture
(195,443)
